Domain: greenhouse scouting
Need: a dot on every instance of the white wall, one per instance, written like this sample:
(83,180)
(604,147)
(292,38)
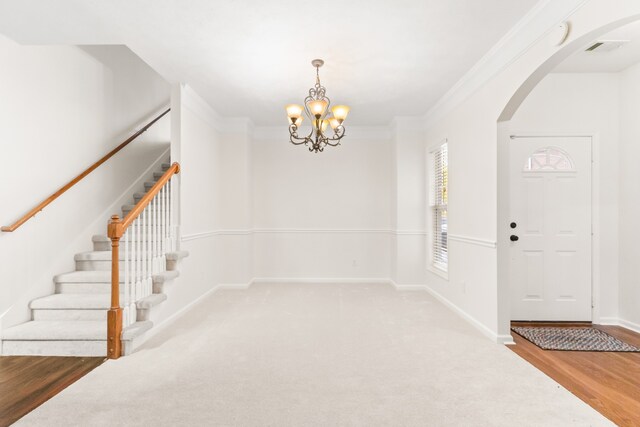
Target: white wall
(471,127)
(629,193)
(586,104)
(322,215)
(61,109)
(214,200)
(409,196)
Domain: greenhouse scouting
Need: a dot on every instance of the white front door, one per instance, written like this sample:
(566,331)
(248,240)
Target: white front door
(550,229)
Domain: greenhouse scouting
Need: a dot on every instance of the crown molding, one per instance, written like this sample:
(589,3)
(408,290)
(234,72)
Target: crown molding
(537,23)
(201,108)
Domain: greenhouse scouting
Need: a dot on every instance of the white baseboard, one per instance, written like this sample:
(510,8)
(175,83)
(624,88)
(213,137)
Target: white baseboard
(499,339)
(305,280)
(616,321)
(157,328)
(409,287)
(607,321)
(238,286)
(635,327)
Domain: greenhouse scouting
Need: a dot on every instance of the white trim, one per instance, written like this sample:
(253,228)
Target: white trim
(248,231)
(537,23)
(630,325)
(499,339)
(192,101)
(410,232)
(615,321)
(206,234)
(473,241)
(309,280)
(433,269)
(178,314)
(409,286)
(321,230)
(172,319)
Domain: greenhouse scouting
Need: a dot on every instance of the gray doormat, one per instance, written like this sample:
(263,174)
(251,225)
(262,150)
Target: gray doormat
(572,339)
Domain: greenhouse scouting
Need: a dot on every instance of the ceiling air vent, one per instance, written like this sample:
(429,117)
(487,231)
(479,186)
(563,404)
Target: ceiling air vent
(605,45)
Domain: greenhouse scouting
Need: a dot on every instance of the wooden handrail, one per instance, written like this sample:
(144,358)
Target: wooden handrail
(123,224)
(78,178)
(115,231)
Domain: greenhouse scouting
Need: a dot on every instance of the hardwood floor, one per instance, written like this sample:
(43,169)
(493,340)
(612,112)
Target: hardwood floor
(26,382)
(609,382)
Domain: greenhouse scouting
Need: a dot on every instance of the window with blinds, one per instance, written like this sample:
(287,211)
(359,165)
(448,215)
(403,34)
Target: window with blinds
(439,201)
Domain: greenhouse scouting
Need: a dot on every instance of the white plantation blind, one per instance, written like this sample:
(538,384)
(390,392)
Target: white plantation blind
(439,200)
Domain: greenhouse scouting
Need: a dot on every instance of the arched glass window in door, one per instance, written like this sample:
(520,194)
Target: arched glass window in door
(549,159)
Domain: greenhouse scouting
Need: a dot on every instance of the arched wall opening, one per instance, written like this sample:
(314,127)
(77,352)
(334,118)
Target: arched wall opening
(504,131)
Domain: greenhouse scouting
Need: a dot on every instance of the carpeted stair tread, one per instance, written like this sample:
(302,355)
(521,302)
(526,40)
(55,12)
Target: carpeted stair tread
(165,276)
(150,301)
(177,255)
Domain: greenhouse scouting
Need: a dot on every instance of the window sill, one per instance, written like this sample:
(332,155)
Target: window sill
(439,272)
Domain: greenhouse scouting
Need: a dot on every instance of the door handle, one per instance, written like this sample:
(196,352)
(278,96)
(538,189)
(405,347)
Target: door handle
(514,238)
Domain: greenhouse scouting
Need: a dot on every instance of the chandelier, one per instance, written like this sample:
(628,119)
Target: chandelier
(316,108)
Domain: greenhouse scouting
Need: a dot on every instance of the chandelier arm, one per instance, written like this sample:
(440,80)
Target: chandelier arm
(293,136)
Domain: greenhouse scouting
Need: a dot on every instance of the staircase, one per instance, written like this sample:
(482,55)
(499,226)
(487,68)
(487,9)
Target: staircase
(73,321)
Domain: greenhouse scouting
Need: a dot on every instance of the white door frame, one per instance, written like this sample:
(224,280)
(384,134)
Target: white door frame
(595,208)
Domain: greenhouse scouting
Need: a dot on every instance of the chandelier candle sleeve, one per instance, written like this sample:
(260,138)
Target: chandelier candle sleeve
(316,107)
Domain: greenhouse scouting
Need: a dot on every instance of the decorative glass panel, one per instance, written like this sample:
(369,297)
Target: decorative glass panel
(551,159)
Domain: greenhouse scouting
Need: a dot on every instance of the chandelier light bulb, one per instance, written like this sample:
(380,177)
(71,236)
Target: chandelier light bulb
(340,112)
(334,123)
(318,108)
(294,111)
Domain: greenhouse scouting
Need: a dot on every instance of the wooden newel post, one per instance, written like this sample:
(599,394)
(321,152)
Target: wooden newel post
(114,315)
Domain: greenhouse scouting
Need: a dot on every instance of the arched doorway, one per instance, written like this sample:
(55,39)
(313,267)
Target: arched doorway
(549,150)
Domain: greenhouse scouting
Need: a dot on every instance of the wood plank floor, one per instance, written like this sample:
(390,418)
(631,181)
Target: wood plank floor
(609,382)
(26,382)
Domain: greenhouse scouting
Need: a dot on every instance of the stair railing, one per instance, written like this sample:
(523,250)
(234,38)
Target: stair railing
(148,234)
(78,178)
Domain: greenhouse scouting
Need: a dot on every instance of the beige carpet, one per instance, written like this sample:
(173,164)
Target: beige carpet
(317,355)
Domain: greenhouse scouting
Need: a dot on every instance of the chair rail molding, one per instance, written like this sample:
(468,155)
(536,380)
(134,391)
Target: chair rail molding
(243,232)
(473,241)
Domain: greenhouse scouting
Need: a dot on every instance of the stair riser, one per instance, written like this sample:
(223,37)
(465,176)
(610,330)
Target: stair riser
(105,265)
(96,265)
(125,213)
(136,200)
(83,288)
(149,185)
(101,246)
(55,348)
(69,314)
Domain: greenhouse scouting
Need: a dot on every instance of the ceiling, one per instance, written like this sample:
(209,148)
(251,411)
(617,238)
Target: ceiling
(248,58)
(599,61)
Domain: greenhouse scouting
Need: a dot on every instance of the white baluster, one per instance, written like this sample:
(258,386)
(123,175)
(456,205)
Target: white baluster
(154,248)
(164,224)
(138,263)
(147,285)
(170,220)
